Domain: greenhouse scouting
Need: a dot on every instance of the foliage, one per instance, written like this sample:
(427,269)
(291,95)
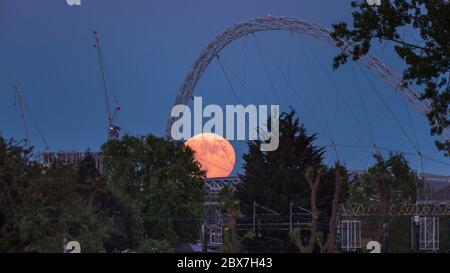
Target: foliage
(228,200)
(160,180)
(154,246)
(388,180)
(149,185)
(399,240)
(274,179)
(425,49)
(122,224)
(229,204)
(444,234)
(40,209)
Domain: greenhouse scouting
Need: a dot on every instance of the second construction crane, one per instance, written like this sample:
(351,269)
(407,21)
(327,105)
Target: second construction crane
(113,128)
(19,100)
(23,112)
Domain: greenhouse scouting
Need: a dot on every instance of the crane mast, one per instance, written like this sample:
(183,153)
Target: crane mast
(20,101)
(113,128)
(23,112)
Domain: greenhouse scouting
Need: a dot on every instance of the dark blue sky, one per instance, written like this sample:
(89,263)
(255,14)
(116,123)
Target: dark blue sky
(46,49)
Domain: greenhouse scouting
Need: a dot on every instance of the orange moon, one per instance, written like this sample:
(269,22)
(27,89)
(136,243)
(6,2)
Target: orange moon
(214,153)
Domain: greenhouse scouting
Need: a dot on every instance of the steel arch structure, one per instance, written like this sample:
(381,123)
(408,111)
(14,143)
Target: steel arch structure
(291,24)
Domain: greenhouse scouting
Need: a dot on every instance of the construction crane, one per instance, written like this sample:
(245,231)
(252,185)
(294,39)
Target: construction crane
(23,112)
(19,100)
(113,128)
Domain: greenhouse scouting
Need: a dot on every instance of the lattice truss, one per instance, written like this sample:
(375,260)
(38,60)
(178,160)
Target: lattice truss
(428,233)
(291,24)
(402,209)
(217,184)
(350,234)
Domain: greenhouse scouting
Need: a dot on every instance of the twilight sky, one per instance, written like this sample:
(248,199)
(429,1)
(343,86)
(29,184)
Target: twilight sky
(149,45)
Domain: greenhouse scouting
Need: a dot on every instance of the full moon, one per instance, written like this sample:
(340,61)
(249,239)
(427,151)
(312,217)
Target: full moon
(214,153)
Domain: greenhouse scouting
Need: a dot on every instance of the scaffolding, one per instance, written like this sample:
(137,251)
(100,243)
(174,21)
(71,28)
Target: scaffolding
(215,219)
(424,223)
(215,236)
(425,233)
(350,233)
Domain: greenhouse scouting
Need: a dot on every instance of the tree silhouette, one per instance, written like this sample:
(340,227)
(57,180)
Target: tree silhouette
(419,30)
